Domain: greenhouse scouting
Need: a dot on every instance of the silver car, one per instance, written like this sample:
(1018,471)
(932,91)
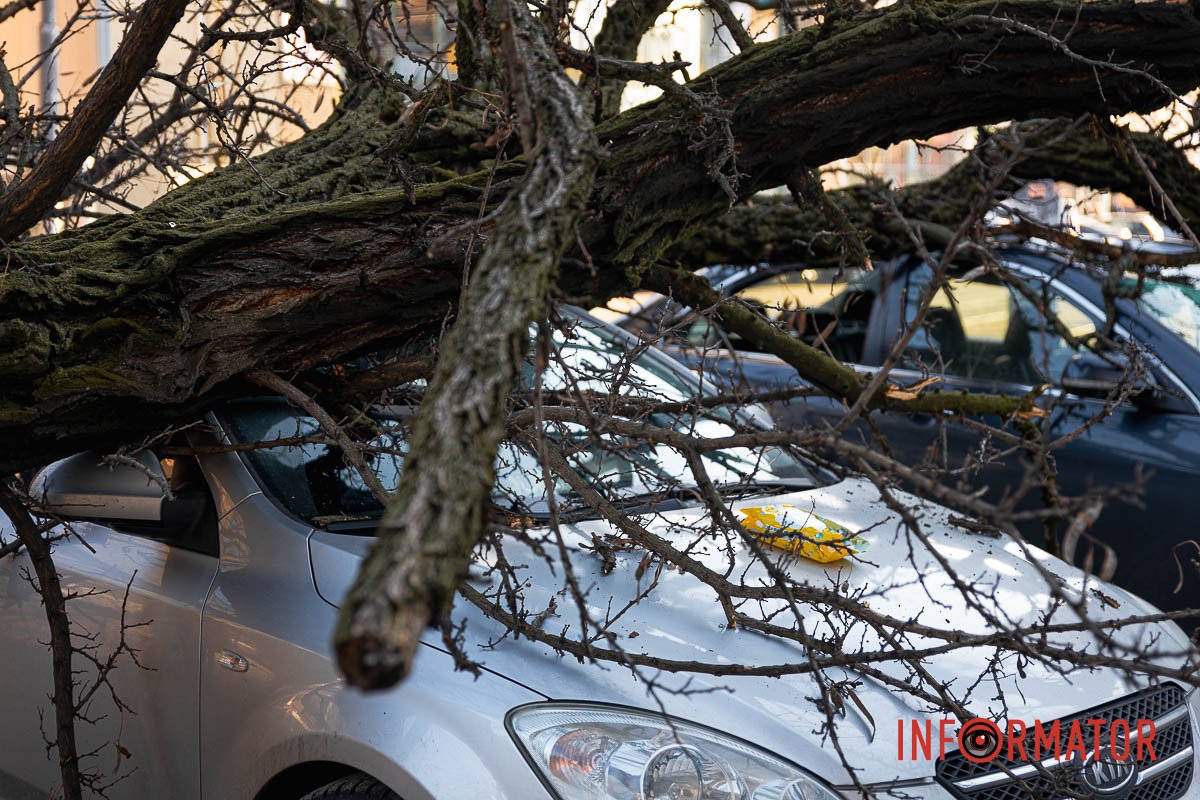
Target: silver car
(238,577)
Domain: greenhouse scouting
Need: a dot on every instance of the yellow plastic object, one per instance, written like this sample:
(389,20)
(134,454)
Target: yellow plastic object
(799,530)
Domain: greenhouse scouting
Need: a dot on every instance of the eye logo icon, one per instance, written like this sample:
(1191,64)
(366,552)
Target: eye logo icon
(979,740)
(1108,778)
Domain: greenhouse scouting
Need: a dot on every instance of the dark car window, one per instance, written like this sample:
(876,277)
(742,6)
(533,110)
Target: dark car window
(985,330)
(826,307)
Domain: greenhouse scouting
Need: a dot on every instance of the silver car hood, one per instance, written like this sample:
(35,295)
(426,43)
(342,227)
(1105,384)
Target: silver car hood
(900,575)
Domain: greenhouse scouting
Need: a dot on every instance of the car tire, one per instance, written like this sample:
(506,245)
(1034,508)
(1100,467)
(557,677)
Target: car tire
(353,787)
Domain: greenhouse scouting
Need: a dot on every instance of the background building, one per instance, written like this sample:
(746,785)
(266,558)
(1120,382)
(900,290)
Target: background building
(56,50)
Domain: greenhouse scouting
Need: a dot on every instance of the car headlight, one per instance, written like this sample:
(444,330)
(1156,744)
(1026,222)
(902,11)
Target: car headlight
(592,752)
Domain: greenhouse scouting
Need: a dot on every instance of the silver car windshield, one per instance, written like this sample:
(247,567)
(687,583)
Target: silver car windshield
(313,481)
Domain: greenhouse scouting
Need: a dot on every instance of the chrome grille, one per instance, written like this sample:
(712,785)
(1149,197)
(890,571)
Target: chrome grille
(1168,787)
(1167,777)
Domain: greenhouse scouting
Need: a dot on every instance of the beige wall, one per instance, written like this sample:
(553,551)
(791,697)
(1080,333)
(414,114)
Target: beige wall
(93,35)
(78,58)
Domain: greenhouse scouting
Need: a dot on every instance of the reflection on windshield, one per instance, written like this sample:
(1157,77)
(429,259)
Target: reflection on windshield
(313,481)
(1175,305)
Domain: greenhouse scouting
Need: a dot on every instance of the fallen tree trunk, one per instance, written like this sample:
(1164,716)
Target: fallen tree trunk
(327,246)
(426,543)
(1081,151)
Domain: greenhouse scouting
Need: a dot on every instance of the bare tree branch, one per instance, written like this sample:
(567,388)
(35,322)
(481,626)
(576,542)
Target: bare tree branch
(24,203)
(54,602)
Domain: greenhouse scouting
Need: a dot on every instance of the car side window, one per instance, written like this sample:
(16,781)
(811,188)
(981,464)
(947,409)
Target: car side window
(824,307)
(985,330)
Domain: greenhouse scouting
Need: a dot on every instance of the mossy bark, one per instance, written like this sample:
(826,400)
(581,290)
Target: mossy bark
(1075,151)
(355,234)
(422,548)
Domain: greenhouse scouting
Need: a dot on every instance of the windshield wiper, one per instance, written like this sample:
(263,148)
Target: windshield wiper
(675,497)
(767,486)
(667,499)
(349,523)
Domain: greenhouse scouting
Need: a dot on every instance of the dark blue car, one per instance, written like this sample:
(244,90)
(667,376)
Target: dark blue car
(982,335)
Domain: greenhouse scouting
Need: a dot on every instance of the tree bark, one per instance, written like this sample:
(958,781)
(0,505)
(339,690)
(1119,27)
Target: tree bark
(625,23)
(1076,151)
(437,516)
(111,331)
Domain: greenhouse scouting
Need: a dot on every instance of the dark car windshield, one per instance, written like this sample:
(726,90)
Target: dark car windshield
(313,481)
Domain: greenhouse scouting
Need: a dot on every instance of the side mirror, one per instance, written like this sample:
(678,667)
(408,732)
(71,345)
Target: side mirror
(1089,375)
(81,487)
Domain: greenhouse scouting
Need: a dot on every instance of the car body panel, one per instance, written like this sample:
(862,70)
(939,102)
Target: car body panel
(246,687)
(167,587)
(779,713)
(290,706)
(1164,443)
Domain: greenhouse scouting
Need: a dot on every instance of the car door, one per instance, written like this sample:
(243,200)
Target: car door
(974,338)
(830,308)
(141,732)
(981,335)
